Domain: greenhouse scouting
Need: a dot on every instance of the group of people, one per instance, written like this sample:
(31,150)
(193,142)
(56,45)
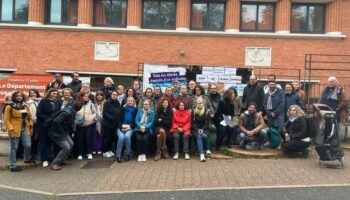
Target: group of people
(71,120)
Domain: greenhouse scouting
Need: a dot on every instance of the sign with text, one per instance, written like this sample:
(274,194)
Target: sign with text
(23,83)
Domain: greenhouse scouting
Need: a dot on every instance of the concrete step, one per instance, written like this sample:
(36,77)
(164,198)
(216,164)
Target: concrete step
(4,164)
(219,156)
(265,153)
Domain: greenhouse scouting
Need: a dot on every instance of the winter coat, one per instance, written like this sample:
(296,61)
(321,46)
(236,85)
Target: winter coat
(253,93)
(207,104)
(278,102)
(149,123)
(224,108)
(88,112)
(107,91)
(181,119)
(52,85)
(214,100)
(46,108)
(166,117)
(13,120)
(292,99)
(340,105)
(33,106)
(126,97)
(296,129)
(61,124)
(132,125)
(200,122)
(111,114)
(75,86)
(259,122)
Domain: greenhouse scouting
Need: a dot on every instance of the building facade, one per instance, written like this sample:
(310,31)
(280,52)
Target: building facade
(115,37)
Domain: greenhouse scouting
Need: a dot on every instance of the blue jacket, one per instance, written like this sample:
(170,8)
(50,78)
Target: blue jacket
(292,99)
(278,102)
(149,123)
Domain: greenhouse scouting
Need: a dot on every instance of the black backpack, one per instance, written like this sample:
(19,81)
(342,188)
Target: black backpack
(310,126)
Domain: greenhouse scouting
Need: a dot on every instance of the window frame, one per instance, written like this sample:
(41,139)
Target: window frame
(257,17)
(48,6)
(13,21)
(324,17)
(208,2)
(117,26)
(158,27)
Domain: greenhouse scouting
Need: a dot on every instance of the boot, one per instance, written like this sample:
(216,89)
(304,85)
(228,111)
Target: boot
(157,157)
(165,152)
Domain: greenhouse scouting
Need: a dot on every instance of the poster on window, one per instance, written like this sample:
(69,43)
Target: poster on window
(162,76)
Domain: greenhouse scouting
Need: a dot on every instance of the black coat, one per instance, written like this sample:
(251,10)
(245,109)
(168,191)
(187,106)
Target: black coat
(52,84)
(61,124)
(111,114)
(75,86)
(224,108)
(132,125)
(166,117)
(214,100)
(297,129)
(45,109)
(200,122)
(107,91)
(253,93)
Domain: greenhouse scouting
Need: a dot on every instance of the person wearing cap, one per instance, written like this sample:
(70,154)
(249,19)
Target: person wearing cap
(176,88)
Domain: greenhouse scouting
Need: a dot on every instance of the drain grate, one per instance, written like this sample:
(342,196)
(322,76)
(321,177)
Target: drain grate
(98,164)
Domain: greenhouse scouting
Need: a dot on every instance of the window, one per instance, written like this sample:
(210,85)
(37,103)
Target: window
(308,18)
(62,12)
(110,13)
(259,17)
(159,14)
(208,15)
(14,11)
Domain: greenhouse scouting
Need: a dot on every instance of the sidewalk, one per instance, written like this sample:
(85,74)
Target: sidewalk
(166,175)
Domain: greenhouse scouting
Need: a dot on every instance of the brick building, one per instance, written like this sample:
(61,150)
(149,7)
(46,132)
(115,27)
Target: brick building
(113,37)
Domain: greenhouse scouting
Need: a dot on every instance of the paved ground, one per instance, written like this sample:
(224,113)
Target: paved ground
(170,175)
(328,193)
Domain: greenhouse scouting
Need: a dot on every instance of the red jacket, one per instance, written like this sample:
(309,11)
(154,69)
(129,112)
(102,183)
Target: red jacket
(181,119)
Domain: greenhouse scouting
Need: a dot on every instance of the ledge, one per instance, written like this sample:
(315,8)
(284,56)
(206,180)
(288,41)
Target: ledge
(174,32)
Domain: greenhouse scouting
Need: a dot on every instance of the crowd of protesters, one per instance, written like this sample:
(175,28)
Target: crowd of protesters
(71,121)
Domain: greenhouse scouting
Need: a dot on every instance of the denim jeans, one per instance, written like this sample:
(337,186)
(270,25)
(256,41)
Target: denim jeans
(202,142)
(66,147)
(262,135)
(26,142)
(124,138)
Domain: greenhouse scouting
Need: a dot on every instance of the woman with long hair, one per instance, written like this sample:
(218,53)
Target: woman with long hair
(46,107)
(130,92)
(34,98)
(85,119)
(18,121)
(148,95)
(125,130)
(97,131)
(121,94)
(162,123)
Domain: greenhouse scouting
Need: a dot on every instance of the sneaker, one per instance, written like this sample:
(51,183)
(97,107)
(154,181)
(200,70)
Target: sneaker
(45,164)
(176,156)
(144,159)
(80,157)
(107,155)
(187,156)
(89,156)
(99,152)
(208,152)
(139,158)
(94,153)
(111,153)
(202,158)
(16,169)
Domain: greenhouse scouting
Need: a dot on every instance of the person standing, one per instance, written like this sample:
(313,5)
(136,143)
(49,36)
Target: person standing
(148,95)
(67,97)
(130,93)
(136,85)
(57,83)
(253,92)
(274,102)
(183,96)
(143,129)
(110,123)
(76,84)
(121,94)
(33,101)
(162,123)
(291,98)
(97,131)
(176,88)
(334,96)
(108,87)
(168,95)
(157,94)
(191,85)
(19,123)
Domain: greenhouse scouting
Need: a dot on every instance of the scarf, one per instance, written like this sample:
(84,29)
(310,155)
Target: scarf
(145,116)
(129,110)
(269,100)
(293,118)
(121,98)
(199,112)
(17,106)
(334,93)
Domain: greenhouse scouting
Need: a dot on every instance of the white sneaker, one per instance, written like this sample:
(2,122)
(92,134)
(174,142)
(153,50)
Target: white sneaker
(176,156)
(187,156)
(202,158)
(208,152)
(144,159)
(94,152)
(107,155)
(89,156)
(111,153)
(139,158)
(45,164)
(80,157)
(99,153)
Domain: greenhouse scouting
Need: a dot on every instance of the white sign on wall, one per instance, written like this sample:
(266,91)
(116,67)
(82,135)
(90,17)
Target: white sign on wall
(258,56)
(108,51)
